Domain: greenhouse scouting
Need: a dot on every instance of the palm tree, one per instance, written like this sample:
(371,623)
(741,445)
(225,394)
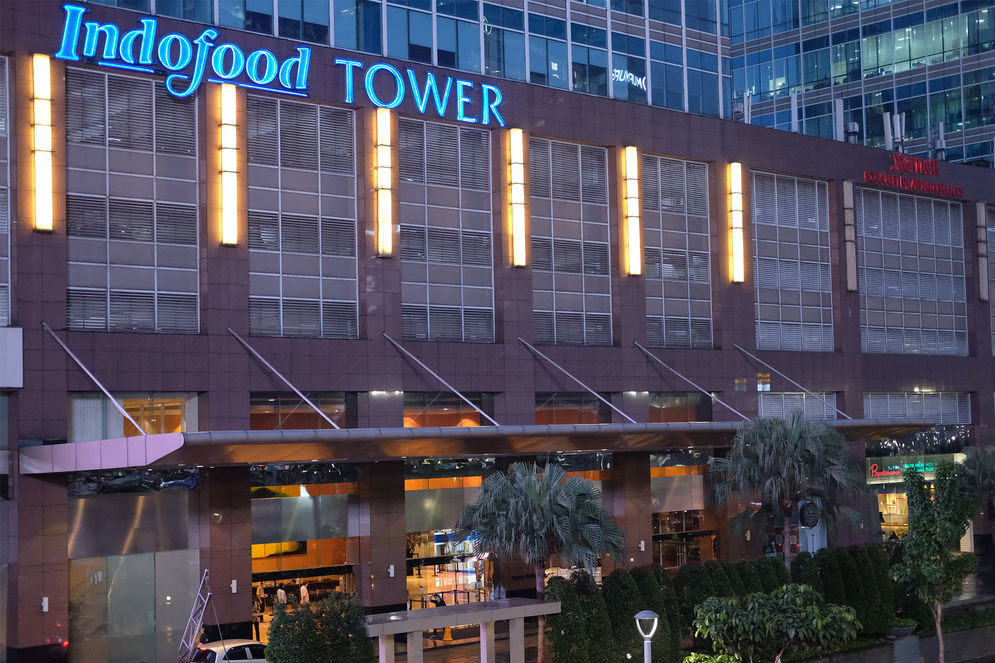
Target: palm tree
(779,464)
(535,514)
(978,471)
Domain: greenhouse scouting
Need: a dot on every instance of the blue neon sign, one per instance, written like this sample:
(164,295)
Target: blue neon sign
(388,91)
(188,60)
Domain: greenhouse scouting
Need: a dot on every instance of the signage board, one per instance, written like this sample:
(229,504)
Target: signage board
(888,469)
(189,62)
(904,163)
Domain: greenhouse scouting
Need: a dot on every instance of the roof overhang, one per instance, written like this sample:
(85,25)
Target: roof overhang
(250,447)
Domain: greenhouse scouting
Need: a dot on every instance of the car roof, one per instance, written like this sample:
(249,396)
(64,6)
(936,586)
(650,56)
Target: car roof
(217,645)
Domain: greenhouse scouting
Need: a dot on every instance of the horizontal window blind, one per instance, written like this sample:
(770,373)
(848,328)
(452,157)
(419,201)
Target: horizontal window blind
(5,200)
(941,408)
(134,237)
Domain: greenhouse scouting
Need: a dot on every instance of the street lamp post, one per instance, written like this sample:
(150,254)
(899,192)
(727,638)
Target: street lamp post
(646,623)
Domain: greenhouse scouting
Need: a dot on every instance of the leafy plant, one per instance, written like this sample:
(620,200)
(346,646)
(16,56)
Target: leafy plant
(601,644)
(761,626)
(829,574)
(804,571)
(768,578)
(534,514)
(735,582)
(651,598)
(936,524)
(567,630)
(751,579)
(852,585)
(622,598)
(673,611)
(306,635)
(719,579)
(778,464)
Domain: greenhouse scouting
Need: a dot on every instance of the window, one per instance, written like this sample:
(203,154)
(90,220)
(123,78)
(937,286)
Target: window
(430,409)
(201,11)
(571,257)
(677,253)
(357,25)
(458,44)
(679,406)
(409,35)
(287,411)
(990,213)
(306,20)
(93,417)
(668,11)
(942,408)
(131,206)
(5,202)
(447,281)
(783,404)
(571,407)
(791,264)
(302,243)
(251,15)
(910,274)
(504,42)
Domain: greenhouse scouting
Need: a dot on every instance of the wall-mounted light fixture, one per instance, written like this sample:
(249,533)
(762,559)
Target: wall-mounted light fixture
(228,147)
(632,244)
(736,239)
(517,214)
(383,182)
(42,141)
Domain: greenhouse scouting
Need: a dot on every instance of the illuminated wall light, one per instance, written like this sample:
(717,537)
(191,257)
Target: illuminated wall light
(383,183)
(41,129)
(736,222)
(632,245)
(228,147)
(517,220)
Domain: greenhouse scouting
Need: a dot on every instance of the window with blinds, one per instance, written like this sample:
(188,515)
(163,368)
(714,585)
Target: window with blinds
(791,264)
(5,214)
(783,404)
(990,222)
(677,253)
(447,276)
(131,206)
(571,259)
(942,408)
(301,219)
(911,274)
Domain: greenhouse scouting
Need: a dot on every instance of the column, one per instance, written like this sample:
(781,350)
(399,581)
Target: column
(415,652)
(376,541)
(386,647)
(486,642)
(516,639)
(627,496)
(226,549)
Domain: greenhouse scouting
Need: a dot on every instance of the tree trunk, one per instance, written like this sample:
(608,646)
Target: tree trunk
(938,618)
(786,548)
(540,570)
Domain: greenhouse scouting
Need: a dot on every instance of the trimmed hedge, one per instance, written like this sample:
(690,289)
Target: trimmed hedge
(623,602)
(652,599)
(805,571)
(833,590)
(852,585)
(567,630)
(748,574)
(600,638)
(738,588)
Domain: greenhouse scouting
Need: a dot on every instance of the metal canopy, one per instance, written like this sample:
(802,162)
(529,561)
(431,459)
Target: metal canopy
(381,444)
(249,447)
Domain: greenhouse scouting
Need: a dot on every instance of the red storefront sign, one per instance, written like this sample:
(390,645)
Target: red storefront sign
(909,184)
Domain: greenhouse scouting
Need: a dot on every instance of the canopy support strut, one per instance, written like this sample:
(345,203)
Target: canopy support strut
(816,396)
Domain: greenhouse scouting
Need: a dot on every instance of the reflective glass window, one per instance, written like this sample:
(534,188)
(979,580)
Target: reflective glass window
(252,15)
(357,25)
(306,20)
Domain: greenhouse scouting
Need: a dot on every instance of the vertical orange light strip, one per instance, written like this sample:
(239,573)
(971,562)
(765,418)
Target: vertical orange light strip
(42,146)
(632,234)
(228,147)
(383,182)
(736,222)
(516,194)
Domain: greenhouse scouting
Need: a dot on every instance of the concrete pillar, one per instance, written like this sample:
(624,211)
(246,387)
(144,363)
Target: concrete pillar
(386,646)
(627,496)
(516,640)
(487,642)
(376,522)
(415,651)
(225,549)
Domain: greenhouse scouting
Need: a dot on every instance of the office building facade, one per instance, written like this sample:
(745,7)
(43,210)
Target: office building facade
(273,307)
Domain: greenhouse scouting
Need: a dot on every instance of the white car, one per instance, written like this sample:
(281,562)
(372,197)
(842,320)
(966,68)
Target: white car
(229,650)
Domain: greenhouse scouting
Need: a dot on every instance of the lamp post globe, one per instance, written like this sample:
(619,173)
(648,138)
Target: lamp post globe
(646,623)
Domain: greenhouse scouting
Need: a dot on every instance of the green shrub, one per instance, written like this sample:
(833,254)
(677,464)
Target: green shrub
(652,599)
(882,574)
(692,585)
(601,646)
(748,574)
(336,624)
(829,575)
(852,585)
(567,630)
(719,579)
(804,571)
(878,618)
(622,599)
(780,571)
(738,588)
(768,578)
(673,611)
